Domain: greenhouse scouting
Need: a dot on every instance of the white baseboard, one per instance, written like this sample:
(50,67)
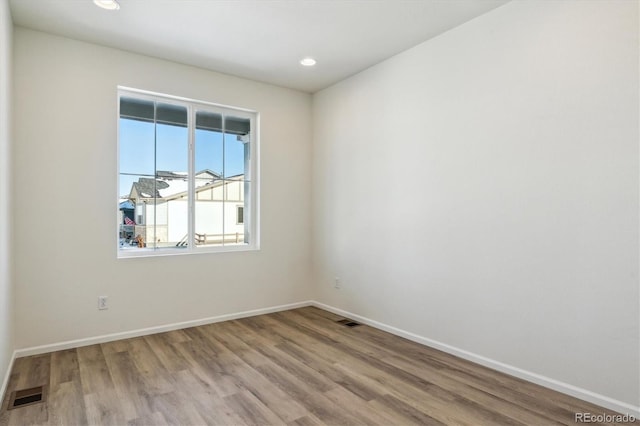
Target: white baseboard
(584,394)
(36,350)
(547,382)
(5,381)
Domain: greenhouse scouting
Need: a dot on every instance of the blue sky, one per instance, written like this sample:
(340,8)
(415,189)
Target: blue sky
(213,150)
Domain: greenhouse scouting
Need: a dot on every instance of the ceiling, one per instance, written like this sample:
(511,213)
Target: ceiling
(261,40)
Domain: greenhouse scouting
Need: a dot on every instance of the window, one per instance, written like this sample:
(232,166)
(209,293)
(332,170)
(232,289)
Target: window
(240,215)
(187,176)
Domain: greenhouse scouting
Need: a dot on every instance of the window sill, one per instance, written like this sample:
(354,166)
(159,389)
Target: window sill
(137,252)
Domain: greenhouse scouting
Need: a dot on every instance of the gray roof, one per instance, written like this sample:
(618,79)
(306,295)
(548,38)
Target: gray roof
(148,187)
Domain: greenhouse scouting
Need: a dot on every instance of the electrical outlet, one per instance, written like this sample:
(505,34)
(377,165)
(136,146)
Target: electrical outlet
(337,283)
(102,302)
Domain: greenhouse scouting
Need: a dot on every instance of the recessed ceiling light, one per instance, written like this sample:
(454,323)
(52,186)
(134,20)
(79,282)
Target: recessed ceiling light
(308,62)
(107,4)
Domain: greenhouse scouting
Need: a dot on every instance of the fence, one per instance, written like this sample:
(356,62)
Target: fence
(212,239)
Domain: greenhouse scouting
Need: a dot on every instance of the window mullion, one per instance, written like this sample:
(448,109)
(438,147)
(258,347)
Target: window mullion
(191,179)
(224,175)
(155,180)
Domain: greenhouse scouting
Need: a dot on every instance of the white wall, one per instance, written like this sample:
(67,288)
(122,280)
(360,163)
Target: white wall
(65,159)
(481,190)
(6,290)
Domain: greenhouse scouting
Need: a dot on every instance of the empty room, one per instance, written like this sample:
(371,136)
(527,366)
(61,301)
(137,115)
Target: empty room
(319,212)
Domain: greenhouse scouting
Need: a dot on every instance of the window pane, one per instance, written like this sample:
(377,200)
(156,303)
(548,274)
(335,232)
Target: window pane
(167,223)
(235,219)
(137,147)
(206,120)
(174,115)
(209,189)
(130,219)
(217,206)
(208,143)
(236,147)
(237,125)
(171,210)
(149,220)
(137,109)
(209,211)
(154,177)
(172,148)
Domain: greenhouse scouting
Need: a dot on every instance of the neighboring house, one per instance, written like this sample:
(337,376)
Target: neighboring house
(161,211)
(126,218)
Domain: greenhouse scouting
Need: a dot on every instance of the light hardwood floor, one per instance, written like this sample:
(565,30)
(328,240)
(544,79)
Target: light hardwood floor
(298,367)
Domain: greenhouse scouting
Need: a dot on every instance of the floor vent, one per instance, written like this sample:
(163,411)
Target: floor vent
(24,397)
(348,323)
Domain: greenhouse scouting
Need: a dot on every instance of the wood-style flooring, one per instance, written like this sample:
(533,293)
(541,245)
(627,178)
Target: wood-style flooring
(297,367)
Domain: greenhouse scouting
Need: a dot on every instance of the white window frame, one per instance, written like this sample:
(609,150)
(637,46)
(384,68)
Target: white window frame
(252,202)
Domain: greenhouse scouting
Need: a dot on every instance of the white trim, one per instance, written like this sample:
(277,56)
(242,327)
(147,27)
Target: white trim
(568,389)
(229,248)
(193,106)
(151,95)
(36,350)
(5,381)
